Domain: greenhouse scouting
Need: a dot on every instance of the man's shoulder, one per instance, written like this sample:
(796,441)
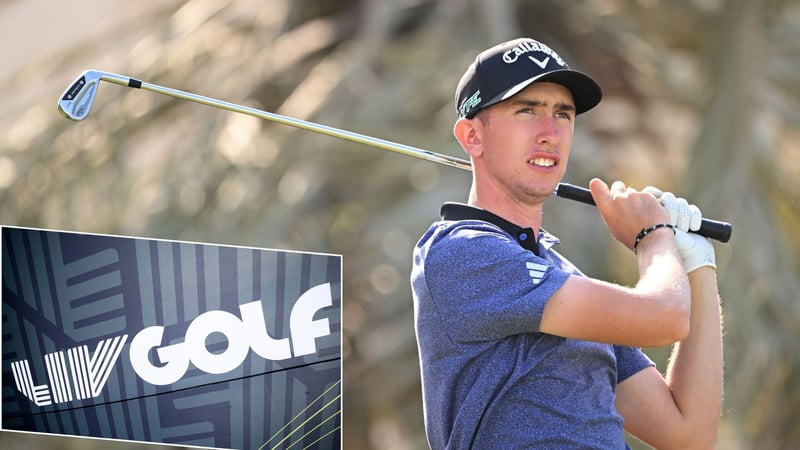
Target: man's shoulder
(459,230)
(464,237)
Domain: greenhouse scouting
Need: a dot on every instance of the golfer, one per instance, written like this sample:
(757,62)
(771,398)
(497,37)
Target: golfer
(519,349)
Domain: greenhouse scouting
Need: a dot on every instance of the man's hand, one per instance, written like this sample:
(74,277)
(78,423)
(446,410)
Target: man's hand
(682,215)
(696,251)
(625,210)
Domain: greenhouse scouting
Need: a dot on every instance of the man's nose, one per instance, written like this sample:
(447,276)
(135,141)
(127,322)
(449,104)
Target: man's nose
(547,132)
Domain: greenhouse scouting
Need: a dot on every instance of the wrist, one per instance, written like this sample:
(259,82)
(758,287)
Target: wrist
(703,272)
(660,228)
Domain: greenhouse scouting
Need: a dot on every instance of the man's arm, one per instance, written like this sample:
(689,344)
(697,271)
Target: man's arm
(682,411)
(653,313)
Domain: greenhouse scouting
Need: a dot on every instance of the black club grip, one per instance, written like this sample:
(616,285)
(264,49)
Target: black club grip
(713,229)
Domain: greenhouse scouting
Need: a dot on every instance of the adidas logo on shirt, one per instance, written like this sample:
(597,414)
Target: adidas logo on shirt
(536,271)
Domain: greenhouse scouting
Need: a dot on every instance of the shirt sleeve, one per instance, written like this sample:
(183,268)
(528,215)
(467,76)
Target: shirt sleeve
(630,360)
(484,286)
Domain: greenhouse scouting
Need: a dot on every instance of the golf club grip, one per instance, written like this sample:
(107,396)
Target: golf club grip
(713,229)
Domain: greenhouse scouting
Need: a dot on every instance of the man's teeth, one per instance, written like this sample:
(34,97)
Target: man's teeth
(544,162)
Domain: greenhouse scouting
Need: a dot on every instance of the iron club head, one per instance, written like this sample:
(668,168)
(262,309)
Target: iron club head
(76,102)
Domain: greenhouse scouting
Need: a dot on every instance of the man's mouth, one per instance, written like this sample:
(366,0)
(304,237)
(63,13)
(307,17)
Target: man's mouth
(542,162)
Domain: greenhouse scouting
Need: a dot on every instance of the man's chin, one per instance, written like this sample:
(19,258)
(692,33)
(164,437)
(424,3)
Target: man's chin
(542,192)
(538,196)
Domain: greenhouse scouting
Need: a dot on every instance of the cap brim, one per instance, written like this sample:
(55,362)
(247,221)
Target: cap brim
(586,93)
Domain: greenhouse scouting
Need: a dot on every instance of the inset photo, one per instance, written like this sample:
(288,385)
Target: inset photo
(170,342)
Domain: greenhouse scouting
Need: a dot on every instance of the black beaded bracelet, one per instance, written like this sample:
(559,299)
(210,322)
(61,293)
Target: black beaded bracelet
(646,231)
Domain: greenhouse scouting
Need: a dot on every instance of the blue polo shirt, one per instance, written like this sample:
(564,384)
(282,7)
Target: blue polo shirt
(490,379)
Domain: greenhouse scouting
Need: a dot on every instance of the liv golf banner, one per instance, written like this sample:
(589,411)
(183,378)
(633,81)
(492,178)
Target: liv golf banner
(170,342)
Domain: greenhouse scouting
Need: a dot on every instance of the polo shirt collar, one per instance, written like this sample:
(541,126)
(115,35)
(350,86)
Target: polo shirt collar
(524,236)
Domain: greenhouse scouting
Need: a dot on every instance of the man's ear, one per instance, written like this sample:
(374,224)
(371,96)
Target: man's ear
(468,136)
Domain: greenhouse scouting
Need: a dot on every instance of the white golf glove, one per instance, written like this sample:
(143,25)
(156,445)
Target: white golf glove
(682,215)
(696,250)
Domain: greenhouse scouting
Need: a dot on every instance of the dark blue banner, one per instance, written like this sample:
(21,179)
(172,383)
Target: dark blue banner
(170,342)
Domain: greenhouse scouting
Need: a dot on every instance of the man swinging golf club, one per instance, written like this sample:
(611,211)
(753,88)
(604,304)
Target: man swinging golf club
(518,349)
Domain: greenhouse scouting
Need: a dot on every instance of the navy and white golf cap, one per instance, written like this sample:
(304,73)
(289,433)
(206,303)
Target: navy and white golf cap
(504,70)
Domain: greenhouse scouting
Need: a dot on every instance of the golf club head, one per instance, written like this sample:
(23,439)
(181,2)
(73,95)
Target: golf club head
(76,102)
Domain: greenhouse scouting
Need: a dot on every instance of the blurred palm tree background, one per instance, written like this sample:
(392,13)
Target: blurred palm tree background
(702,98)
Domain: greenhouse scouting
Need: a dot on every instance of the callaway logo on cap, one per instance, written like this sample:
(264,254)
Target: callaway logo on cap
(506,69)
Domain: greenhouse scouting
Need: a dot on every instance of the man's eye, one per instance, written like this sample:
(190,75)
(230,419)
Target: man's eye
(563,115)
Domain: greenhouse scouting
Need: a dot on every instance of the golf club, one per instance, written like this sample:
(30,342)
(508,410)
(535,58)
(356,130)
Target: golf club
(76,102)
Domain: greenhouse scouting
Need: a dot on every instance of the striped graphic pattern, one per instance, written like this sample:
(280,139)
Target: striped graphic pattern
(536,271)
(72,303)
(59,381)
(91,372)
(40,395)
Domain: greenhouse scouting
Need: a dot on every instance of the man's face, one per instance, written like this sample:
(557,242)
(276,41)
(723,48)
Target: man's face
(525,142)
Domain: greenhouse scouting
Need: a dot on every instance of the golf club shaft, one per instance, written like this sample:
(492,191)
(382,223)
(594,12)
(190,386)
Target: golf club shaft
(297,123)
(720,231)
